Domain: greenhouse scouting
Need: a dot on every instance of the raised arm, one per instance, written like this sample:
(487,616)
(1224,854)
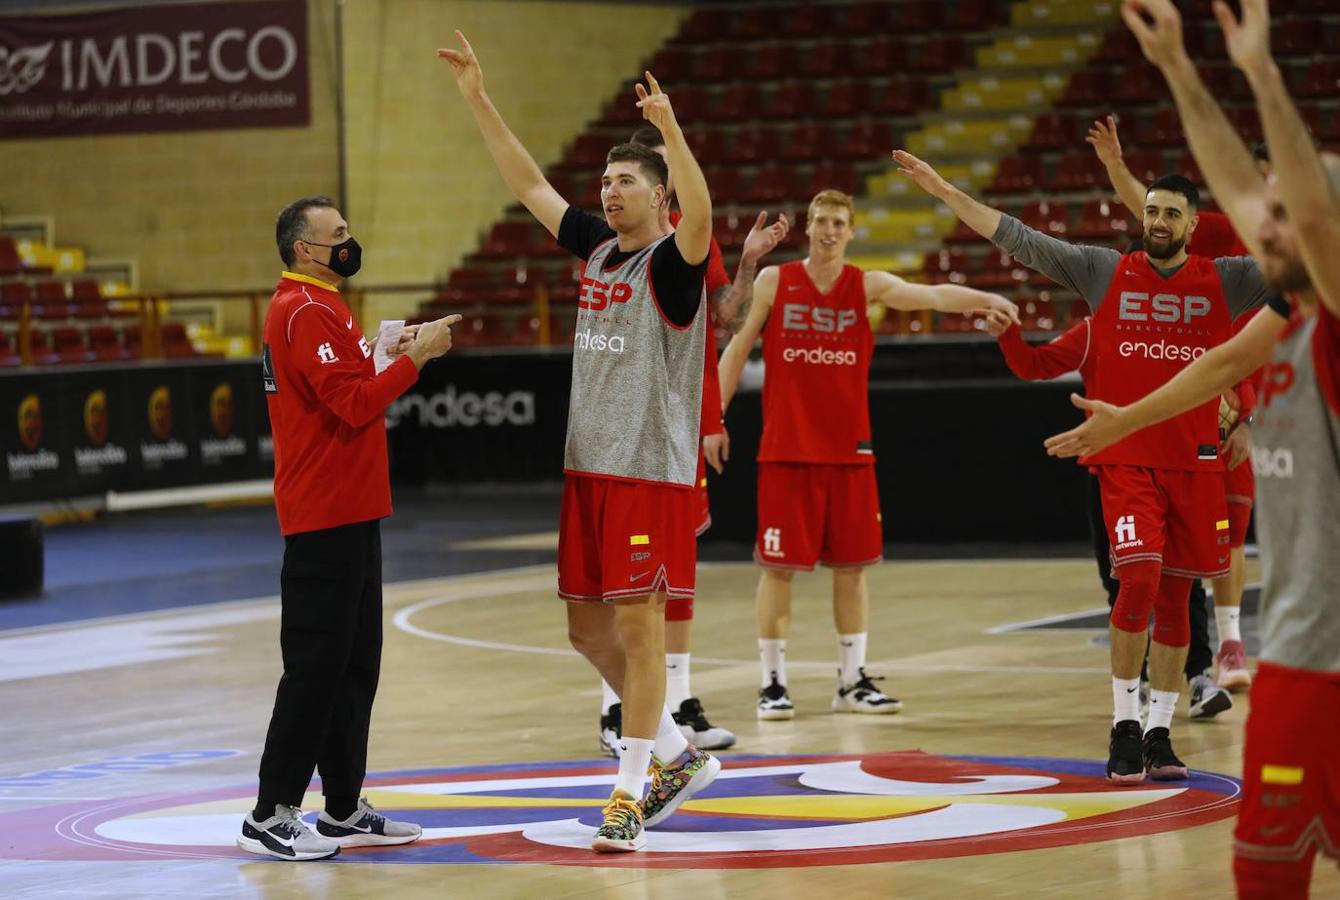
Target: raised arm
(1306,185)
(1203,380)
(737,351)
(897,293)
(1105,142)
(976,215)
(1040,362)
(1224,159)
(524,178)
(693,235)
(733,302)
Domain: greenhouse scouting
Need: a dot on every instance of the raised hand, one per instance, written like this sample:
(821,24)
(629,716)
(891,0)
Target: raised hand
(1104,427)
(465,65)
(764,238)
(1103,138)
(1157,25)
(922,173)
(654,103)
(1247,39)
(433,339)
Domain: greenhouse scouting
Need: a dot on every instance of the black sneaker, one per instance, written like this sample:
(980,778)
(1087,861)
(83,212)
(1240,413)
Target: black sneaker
(1160,761)
(774,702)
(285,836)
(697,730)
(1125,764)
(611,729)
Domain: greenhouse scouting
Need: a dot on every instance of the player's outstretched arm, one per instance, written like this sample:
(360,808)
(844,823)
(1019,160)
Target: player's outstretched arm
(897,293)
(693,235)
(524,178)
(1304,182)
(734,301)
(1220,368)
(737,351)
(1107,144)
(1040,362)
(1224,159)
(976,215)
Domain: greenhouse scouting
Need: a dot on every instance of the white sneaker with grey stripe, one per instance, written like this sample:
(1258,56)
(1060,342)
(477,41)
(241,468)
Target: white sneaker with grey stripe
(285,836)
(367,828)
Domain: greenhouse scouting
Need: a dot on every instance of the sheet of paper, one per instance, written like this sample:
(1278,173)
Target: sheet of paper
(388,335)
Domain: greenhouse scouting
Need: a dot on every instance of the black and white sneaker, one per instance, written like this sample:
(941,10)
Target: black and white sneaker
(699,732)
(611,729)
(285,836)
(367,828)
(1207,698)
(774,702)
(864,697)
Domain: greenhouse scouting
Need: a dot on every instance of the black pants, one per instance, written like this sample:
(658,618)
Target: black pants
(331,638)
(1199,656)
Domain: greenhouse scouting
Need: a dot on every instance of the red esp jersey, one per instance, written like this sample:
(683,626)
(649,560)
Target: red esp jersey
(715,279)
(816,356)
(1146,330)
(327,409)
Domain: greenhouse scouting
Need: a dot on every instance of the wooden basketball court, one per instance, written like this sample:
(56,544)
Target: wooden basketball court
(132,745)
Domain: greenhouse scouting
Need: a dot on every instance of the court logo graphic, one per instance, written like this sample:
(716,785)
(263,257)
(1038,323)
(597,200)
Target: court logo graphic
(762,812)
(30,422)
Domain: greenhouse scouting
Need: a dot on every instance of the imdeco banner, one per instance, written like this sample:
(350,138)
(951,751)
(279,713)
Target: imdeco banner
(165,67)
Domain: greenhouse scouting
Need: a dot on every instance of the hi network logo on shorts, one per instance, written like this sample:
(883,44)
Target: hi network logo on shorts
(761,812)
(1125,533)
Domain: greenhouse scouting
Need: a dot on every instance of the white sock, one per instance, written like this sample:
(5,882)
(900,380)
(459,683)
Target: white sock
(773,655)
(851,657)
(670,742)
(1162,704)
(1226,618)
(607,697)
(1125,700)
(676,679)
(634,761)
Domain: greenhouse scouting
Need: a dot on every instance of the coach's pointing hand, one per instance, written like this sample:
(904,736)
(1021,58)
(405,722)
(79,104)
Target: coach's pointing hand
(432,340)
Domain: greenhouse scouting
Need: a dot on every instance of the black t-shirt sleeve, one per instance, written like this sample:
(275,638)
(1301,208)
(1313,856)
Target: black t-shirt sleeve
(580,233)
(678,285)
(1279,303)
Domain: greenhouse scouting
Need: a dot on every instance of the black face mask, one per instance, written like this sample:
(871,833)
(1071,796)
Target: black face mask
(345,258)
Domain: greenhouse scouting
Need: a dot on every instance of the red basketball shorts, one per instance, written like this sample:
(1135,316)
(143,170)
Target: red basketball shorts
(621,539)
(1240,488)
(811,512)
(1291,767)
(1178,519)
(704,510)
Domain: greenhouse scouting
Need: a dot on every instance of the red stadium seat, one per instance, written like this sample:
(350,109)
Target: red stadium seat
(790,100)
(1054,132)
(823,60)
(806,21)
(807,142)
(176,345)
(1138,86)
(672,65)
(1322,79)
(1146,164)
(1164,130)
(1017,174)
(733,104)
(16,293)
(67,343)
(1079,172)
(1297,37)
(712,64)
(105,346)
(1046,216)
(868,139)
(864,19)
(1101,219)
(1088,87)
(883,56)
(844,100)
(768,62)
(747,144)
(709,145)
(828,174)
(938,55)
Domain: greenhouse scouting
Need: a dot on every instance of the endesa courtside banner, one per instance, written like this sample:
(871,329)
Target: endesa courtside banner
(80,431)
(162,67)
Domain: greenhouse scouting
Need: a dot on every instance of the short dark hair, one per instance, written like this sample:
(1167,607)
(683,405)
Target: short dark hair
(1261,153)
(291,224)
(648,135)
(652,163)
(1178,184)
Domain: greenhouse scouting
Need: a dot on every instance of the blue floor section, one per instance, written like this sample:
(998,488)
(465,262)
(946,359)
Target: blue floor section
(167,559)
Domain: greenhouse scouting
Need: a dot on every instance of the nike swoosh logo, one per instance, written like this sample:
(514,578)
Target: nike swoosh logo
(1130,690)
(350,323)
(1271,832)
(639,577)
